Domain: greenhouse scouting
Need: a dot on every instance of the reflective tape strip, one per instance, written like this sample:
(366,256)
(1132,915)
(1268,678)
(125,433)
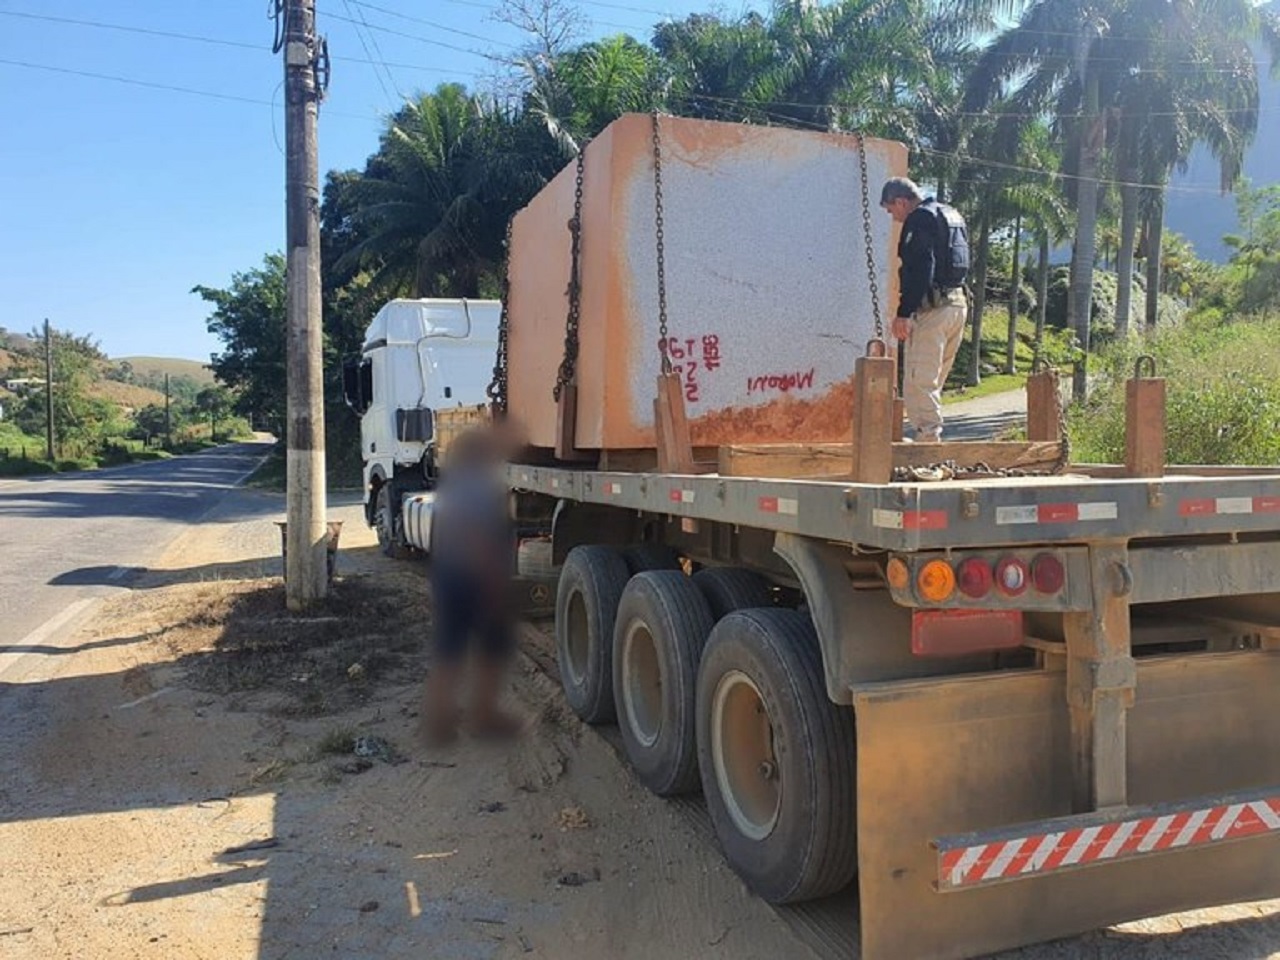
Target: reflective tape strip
(1058,512)
(910,519)
(613,489)
(681,496)
(783,505)
(1225,506)
(972,861)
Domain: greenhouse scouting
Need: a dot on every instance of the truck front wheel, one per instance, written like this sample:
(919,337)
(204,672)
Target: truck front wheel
(387,524)
(776,757)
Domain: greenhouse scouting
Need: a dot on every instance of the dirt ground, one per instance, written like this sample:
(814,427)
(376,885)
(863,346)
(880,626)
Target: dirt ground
(194,774)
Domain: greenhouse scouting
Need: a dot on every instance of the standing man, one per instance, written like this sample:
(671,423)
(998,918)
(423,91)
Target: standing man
(934,253)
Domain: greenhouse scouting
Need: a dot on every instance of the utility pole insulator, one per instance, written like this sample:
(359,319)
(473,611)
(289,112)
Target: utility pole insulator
(306,568)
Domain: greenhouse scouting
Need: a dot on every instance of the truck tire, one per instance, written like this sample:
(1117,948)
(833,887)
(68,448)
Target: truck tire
(776,757)
(662,625)
(732,588)
(387,526)
(650,556)
(591,583)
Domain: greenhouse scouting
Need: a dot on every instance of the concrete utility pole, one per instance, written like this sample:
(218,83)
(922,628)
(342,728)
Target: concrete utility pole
(306,574)
(48,391)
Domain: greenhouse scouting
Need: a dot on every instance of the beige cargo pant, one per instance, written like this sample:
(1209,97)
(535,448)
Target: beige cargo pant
(931,351)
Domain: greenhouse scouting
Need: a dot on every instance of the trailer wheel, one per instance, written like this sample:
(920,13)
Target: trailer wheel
(388,526)
(663,623)
(776,757)
(732,588)
(650,556)
(591,583)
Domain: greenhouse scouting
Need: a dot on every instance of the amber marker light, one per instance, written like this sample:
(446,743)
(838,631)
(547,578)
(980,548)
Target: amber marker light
(936,581)
(897,574)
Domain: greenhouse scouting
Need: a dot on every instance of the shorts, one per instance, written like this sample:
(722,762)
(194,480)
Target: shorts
(467,617)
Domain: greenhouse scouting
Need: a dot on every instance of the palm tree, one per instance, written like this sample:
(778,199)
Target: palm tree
(1054,61)
(428,214)
(1189,77)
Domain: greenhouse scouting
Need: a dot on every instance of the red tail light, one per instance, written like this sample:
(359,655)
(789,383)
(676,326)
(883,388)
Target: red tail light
(973,577)
(1047,573)
(1011,576)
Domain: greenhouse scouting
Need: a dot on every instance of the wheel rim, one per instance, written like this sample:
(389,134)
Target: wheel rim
(577,639)
(742,754)
(642,683)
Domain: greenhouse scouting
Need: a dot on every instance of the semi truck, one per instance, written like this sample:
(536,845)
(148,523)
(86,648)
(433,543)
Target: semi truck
(1011,697)
(419,357)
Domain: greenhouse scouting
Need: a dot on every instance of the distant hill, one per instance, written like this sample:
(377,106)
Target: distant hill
(145,367)
(127,395)
(1194,208)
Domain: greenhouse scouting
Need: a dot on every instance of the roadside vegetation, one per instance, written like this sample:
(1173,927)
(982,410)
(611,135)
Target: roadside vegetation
(105,412)
(1054,126)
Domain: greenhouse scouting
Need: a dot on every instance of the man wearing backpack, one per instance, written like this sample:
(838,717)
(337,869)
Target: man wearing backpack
(934,253)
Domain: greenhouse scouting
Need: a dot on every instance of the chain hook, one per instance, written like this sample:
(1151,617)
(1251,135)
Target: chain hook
(877,347)
(1145,360)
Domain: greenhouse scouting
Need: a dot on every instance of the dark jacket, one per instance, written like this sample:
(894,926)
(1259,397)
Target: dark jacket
(917,252)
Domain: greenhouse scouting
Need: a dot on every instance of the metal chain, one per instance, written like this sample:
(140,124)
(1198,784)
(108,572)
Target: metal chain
(497,389)
(569,362)
(662,250)
(866,237)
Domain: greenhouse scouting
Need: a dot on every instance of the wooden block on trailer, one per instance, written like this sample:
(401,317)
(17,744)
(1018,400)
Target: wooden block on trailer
(675,449)
(1144,427)
(567,425)
(1044,406)
(873,379)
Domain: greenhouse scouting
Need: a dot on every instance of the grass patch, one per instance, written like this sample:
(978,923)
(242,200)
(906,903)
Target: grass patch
(990,385)
(1223,383)
(339,741)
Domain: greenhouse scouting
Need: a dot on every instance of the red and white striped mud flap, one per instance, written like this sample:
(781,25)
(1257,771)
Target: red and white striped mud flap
(970,860)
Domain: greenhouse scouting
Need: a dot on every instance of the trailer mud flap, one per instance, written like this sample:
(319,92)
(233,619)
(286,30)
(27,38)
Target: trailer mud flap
(983,754)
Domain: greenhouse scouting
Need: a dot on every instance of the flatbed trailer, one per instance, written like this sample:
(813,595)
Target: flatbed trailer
(1018,708)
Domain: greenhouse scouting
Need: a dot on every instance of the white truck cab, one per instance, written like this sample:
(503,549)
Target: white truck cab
(419,356)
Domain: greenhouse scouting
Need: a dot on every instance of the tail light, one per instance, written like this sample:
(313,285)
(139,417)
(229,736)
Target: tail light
(1011,576)
(1047,573)
(974,578)
(936,581)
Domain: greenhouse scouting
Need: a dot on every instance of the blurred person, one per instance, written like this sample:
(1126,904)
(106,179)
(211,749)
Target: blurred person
(472,545)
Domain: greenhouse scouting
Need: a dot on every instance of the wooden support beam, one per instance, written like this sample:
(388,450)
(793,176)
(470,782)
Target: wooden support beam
(873,379)
(675,449)
(567,425)
(836,459)
(1144,427)
(899,418)
(1101,679)
(1044,406)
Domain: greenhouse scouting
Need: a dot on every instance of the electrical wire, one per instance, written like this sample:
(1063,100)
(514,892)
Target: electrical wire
(173,88)
(365,47)
(216,41)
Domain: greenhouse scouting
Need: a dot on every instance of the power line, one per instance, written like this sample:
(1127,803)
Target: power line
(192,91)
(365,47)
(414,36)
(217,41)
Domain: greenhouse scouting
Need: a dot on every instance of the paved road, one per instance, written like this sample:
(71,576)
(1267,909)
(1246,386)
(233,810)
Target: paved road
(67,538)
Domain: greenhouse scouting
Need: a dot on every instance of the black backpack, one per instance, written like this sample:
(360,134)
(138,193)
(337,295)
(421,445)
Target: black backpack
(951,246)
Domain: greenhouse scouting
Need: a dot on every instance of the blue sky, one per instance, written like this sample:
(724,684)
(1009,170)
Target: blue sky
(117,198)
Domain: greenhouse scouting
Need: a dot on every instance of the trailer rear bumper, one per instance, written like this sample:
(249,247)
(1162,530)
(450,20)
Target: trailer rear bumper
(982,858)
(945,765)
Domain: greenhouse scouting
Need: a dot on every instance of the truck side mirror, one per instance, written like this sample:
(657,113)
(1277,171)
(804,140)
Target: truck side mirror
(357,383)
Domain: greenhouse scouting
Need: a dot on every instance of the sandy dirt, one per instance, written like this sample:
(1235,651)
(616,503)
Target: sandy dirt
(159,799)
